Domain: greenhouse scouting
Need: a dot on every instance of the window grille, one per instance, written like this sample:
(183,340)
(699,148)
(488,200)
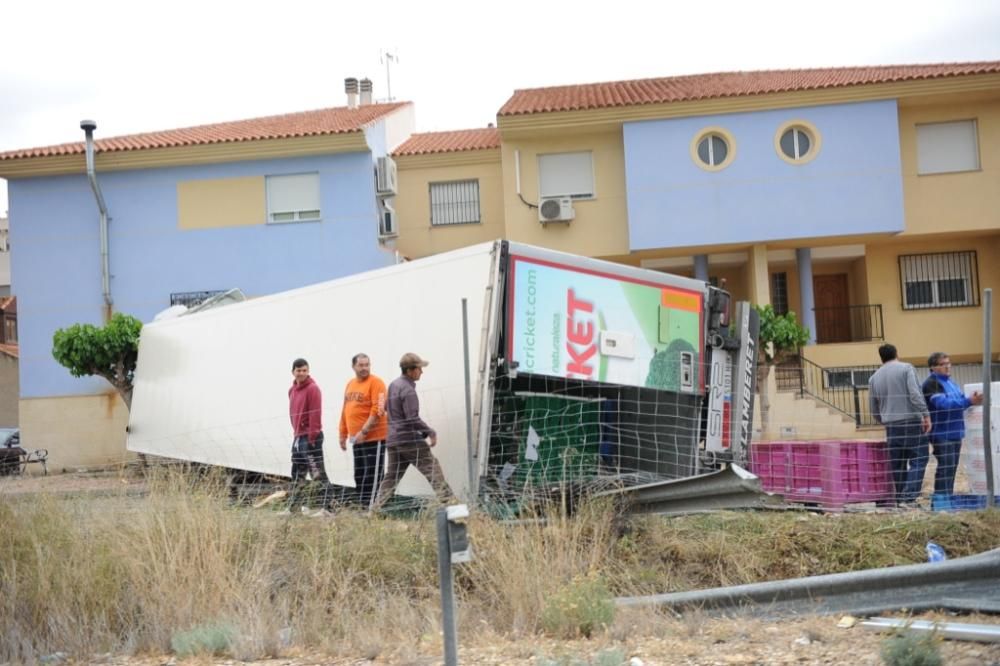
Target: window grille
(455,202)
(779,293)
(944,280)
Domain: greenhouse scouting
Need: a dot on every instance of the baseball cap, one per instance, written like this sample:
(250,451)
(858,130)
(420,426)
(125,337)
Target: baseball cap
(411,360)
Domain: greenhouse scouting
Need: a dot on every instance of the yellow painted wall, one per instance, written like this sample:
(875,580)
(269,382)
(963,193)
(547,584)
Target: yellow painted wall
(9,391)
(916,333)
(844,353)
(78,431)
(956,201)
(417,238)
(601,224)
(223,202)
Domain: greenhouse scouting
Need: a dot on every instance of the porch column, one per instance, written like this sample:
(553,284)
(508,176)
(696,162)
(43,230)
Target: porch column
(701,267)
(807,301)
(758,284)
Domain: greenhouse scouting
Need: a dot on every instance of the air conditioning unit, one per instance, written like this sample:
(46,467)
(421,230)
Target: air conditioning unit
(556,209)
(385,177)
(387,223)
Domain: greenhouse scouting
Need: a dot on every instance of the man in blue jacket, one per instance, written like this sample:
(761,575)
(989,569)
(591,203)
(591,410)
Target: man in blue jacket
(947,405)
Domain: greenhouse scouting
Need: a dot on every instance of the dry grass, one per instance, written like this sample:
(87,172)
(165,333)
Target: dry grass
(121,574)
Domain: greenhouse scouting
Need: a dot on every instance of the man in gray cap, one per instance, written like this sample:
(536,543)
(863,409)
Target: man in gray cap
(407,443)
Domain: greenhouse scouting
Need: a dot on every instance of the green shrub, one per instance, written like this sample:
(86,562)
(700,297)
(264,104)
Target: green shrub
(908,649)
(579,608)
(207,639)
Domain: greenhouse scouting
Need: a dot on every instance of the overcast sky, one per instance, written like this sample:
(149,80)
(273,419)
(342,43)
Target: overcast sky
(138,66)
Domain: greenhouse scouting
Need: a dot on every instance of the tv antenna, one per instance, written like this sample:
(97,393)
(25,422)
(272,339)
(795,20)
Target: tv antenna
(387,57)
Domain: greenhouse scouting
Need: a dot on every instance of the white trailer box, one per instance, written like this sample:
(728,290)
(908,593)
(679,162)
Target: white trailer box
(211,387)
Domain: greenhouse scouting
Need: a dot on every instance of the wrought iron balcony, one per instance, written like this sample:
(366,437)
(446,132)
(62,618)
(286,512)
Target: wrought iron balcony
(849,323)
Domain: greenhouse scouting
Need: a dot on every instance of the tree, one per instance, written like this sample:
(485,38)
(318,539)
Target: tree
(109,351)
(780,336)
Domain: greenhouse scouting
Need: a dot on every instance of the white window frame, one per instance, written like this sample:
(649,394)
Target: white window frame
(296,206)
(934,269)
(859,377)
(454,209)
(934,140)
(576,186)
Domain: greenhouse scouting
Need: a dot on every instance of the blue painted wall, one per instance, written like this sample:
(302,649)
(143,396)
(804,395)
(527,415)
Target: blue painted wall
(56,269)
(853,186)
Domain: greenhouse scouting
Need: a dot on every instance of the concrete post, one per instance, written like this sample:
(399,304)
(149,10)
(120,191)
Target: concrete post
(701,267)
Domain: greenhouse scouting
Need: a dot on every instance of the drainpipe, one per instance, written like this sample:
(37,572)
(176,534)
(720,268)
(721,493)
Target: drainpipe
(88,126)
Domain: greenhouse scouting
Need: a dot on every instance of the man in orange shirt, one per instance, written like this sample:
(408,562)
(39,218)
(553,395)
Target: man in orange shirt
(363,423)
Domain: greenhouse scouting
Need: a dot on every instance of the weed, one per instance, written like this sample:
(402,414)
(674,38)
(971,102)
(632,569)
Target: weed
(579,609)
(909,649)
(206,639)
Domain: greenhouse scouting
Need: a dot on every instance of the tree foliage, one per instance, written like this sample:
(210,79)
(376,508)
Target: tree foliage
(108,351)
(779,334)
(779,337)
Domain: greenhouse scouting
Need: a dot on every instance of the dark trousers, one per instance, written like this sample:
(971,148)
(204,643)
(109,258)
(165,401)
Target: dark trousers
(908,454)
(369,461)
(307,460)
(398,460)
(947,463)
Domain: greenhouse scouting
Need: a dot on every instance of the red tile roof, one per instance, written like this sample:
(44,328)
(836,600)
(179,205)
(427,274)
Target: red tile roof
(306,123)
(725,84)
(449,142)
(10,350)
(8,304)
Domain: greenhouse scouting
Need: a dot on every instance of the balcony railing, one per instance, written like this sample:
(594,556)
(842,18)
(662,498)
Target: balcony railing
(849,323)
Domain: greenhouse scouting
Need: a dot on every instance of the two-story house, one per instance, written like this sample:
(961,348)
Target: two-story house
(263,205)
(864,199)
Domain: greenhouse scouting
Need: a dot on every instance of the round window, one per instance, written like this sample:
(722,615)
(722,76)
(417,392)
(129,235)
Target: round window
(713,149)
(797,142)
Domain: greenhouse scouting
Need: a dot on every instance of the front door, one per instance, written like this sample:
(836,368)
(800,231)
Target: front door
(833,320)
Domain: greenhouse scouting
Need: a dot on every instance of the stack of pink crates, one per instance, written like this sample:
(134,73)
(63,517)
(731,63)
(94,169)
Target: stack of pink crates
(830,472)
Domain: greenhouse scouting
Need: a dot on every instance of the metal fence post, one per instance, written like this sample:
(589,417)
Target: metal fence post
(471,451)
(447,590)
(987,397)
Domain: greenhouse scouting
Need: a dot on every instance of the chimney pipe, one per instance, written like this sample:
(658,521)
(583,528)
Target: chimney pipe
(88,127)
(351,88)
(366,91)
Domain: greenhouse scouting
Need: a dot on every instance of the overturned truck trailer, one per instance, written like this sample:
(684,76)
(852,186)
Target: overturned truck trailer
(577,368)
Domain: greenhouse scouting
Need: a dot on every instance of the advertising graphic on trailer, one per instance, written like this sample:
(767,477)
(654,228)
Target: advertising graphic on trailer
(578,324)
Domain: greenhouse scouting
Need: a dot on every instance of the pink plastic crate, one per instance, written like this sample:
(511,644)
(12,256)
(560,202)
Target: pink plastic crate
(832,472)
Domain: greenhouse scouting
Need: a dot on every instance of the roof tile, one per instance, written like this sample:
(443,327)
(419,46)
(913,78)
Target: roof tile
(725,84)
(448,142)
(320,122)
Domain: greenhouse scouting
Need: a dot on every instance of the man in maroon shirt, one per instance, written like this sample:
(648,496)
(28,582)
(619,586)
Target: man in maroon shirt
(305,409)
